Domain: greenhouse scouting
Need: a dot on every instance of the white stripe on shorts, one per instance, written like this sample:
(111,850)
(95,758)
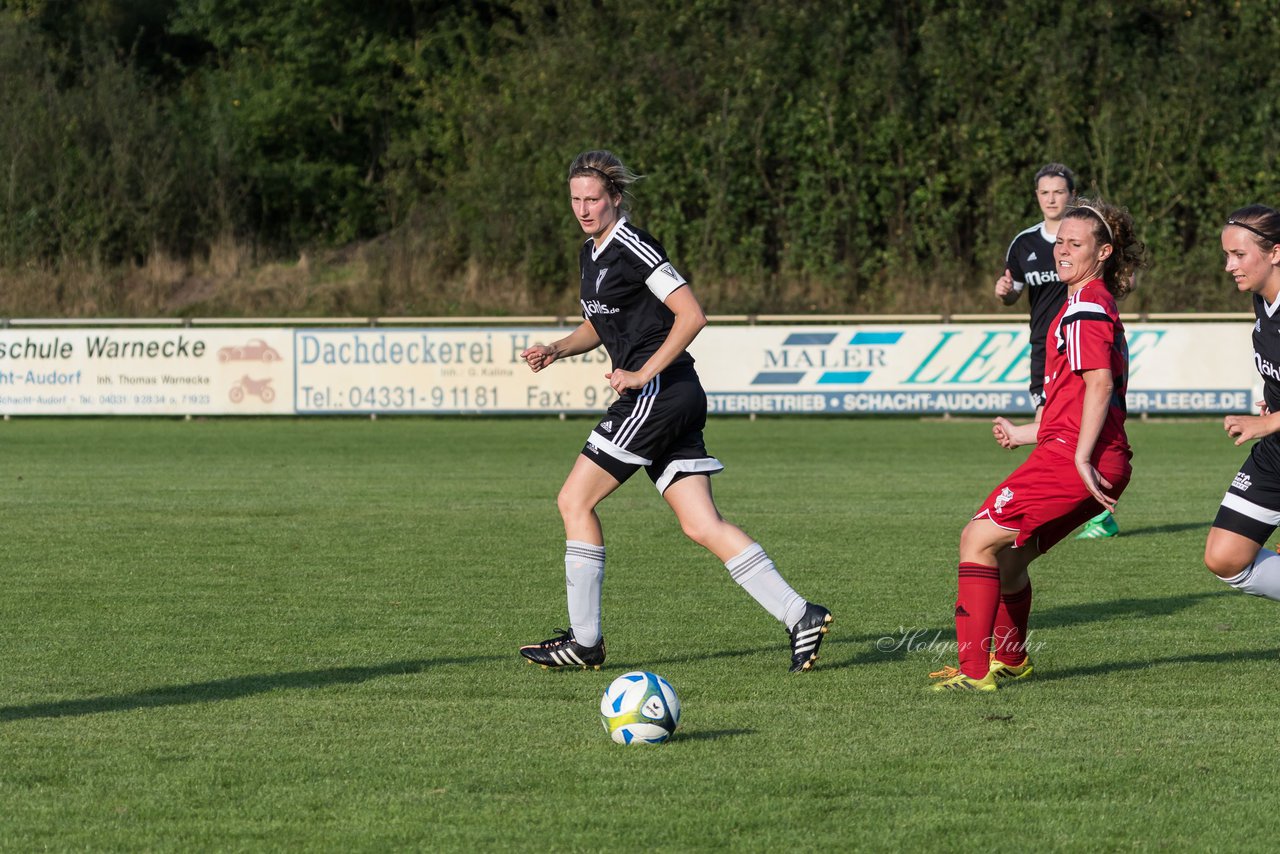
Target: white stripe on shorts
(1245,507)
(644,405)
(706,465)
(606,446)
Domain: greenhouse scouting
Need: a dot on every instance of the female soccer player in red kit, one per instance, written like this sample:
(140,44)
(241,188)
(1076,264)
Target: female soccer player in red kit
(1080,465)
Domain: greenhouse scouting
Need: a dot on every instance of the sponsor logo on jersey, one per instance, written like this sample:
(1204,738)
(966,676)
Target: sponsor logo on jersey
(600,278)
(1265,368)
(1005,496)
(607,426)
(1242,482)
(594,306)
(1036,277)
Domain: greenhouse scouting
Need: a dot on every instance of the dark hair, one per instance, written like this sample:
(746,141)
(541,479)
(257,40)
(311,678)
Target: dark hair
(1263,221)
(1056,170)
(606,166)
(1112,224)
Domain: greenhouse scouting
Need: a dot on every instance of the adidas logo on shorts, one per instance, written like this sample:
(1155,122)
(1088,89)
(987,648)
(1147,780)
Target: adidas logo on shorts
(606,426)
(1241,482)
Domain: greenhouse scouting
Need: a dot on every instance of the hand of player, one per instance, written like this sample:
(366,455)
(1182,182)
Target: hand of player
(1244,428)
(620,380)
(539,356)
(1263,409)
(1095,483)
(1002,429)
(1004,286)
(1009,435)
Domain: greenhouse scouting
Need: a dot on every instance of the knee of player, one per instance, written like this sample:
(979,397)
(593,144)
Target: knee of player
(571,504)
(698,530)
(1224,563)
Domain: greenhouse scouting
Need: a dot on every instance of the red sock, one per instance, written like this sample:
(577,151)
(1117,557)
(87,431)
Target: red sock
(976,605)
(1010,635)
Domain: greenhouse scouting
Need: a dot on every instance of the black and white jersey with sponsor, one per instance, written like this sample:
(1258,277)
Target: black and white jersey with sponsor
(1030,264)
(625,282)
(1266,358)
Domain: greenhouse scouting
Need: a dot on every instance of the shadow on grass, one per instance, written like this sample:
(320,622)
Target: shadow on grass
(710,734)
(228,689)
(1148,663)
(896,644)
(1167,529)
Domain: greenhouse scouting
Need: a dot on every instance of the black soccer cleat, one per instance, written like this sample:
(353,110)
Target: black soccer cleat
(563,651)
(806,637)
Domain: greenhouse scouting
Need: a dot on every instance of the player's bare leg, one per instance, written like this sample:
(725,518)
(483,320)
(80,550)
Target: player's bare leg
(749,565)
(1243,563)
(582,644)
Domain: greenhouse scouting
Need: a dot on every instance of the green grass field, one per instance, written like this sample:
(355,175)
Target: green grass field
(301,635)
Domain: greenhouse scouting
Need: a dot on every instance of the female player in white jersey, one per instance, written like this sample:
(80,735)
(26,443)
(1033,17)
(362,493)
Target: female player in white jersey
(1081,461)
(1250,511)
(641,309)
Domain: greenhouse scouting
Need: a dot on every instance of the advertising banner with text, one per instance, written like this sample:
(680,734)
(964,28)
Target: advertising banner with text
(835,369)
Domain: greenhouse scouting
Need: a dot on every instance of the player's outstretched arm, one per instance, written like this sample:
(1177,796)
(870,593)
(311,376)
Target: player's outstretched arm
(1244,428)
(1010,435)
(581,340)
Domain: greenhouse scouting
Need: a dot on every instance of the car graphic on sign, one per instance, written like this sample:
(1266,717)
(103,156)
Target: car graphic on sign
(256,350)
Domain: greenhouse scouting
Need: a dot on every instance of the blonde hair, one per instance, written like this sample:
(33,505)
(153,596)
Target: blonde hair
(611,172)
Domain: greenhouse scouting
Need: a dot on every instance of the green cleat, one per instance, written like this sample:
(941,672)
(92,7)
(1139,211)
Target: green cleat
(954,680)
(1099,528)
(1002,672)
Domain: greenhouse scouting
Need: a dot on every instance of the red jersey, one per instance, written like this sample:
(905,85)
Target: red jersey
(1086,335)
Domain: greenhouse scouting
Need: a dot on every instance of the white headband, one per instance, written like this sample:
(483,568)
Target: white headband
(1099,215)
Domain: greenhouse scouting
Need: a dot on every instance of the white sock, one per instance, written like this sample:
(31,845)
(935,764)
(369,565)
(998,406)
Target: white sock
(1260,578)
(583,578)
(757,575)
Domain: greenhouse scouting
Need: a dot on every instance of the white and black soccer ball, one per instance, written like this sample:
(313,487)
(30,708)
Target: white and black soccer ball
(640,708)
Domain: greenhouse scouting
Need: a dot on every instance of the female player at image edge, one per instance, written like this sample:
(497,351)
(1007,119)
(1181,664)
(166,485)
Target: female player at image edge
(1250,510)
(1080,464)
(643,311)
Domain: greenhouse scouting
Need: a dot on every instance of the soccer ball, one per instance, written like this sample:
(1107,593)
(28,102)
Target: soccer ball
(640,708)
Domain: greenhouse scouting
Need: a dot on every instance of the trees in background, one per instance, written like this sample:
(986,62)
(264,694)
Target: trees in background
(799,155)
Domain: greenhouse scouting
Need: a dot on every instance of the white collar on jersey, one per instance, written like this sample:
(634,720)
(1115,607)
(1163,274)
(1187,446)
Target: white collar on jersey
(1271,306)
(1044,232)
(596,250)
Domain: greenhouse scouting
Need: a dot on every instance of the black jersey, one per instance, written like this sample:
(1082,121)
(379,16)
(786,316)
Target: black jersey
(624,284)
(1266,358)
(1030,264)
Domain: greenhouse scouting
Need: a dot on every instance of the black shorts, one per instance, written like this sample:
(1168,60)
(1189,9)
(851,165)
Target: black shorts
(1251,507)
(658,427)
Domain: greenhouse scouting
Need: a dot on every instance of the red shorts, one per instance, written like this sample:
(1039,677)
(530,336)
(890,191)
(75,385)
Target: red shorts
(1044,499)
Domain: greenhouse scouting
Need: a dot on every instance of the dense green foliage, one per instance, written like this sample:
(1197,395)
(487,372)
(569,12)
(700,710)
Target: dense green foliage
(803,154)
(300,635)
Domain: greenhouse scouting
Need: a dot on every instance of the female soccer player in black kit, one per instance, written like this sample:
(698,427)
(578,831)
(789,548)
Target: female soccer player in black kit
(641,309)
(1250,511)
